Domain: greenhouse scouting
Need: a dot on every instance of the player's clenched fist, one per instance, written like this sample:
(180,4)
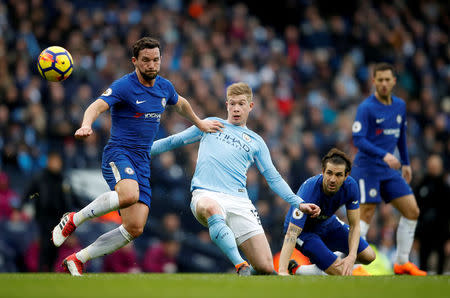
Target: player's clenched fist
(83,132)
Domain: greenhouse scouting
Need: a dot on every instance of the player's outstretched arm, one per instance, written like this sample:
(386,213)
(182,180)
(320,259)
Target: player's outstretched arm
(290,239)
(184,109)
(90,115)
(187,136)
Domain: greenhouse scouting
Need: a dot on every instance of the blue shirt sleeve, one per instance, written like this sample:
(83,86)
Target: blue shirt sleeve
(401,144)
(187,136)
(352,202)
(297,217)
(173,95)
(273,178)
(113,94)
(360,130)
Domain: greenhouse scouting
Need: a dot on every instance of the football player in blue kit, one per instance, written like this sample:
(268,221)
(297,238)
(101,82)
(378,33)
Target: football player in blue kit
(137,101)
(219,195)
(380,128)
(318,238)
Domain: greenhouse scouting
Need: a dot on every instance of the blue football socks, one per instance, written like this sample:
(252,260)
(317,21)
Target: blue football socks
(223,237)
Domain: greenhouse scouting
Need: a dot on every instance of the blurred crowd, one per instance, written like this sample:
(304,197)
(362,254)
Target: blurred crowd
(308,77)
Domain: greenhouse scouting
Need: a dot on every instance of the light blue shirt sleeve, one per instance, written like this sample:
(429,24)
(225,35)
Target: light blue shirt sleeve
(273,178)
(187,136)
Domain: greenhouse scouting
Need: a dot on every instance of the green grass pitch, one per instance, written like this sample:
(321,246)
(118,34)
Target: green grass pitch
(219,285)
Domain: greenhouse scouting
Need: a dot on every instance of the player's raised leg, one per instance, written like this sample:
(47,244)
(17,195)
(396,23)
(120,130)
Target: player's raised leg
(126,194)
(409,210)
(134,218)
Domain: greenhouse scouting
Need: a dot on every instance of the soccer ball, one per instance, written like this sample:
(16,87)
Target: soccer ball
(55,64)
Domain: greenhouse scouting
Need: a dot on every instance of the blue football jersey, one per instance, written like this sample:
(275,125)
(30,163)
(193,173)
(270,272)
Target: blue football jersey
(379,129)
(136,110)
(311,191)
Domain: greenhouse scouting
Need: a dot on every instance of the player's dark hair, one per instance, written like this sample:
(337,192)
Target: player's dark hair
(383,66)
(145,43)
(337,157)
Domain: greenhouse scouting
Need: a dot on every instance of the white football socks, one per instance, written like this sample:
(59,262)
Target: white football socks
(405,238)
(364,227)
(105,244)
(104,203)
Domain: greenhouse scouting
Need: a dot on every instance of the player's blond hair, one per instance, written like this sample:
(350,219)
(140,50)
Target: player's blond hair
(239,89)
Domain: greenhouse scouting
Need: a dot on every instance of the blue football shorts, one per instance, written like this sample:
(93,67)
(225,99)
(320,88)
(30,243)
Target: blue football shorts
(331,236)
(119,163)
(377,184)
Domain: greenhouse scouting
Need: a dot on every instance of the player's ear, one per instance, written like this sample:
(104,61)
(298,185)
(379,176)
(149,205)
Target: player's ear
(133,60)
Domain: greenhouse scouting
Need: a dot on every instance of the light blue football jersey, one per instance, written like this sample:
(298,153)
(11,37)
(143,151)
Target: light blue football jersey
(224,159)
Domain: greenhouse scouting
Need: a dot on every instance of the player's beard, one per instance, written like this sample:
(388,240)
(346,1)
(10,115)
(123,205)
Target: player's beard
(149,76)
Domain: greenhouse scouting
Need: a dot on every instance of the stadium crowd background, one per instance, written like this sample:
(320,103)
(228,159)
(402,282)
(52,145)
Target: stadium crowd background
(308,74)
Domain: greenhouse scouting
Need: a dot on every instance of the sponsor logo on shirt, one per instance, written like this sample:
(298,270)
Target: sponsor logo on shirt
(233,141)
(156,116)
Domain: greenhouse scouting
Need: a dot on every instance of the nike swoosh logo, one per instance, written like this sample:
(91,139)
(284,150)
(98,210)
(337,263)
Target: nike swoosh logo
(379,120)
(139,102)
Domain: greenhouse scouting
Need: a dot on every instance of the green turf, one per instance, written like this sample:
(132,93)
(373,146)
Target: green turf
(219,285)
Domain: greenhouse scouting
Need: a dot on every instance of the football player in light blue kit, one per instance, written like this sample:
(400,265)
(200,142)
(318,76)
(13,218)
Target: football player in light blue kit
(219,195)
(137,101)
(380,128)
(317,238)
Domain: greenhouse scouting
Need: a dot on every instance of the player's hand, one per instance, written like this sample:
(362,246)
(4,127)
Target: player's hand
(407,173)
(392,161)
(308,208)
(346,264)
(83,132)
(210,125)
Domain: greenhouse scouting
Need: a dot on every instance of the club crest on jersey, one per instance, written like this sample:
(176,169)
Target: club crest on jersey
(107,92)
(163,102)
(399,119)
(246,137)
(373,192)
(356,126)
(129,171)
(297,214)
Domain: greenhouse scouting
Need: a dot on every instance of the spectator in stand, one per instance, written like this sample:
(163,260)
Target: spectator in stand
(161,256)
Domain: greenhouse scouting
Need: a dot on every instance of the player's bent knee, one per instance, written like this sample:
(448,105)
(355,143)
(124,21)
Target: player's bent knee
(207,208)
(134,230)
(128,199)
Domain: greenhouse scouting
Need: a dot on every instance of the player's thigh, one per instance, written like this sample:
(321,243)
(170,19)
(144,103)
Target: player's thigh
(407,206)
(336,238)
(313,247)
(134,218)
(204,204)
(258,253)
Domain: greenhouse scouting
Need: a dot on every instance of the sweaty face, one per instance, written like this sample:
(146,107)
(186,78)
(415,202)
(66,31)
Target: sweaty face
(384,81)
(333,178)
(238,109)
(148,63)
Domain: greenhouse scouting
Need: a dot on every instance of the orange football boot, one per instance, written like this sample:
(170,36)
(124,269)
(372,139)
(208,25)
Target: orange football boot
(408,268)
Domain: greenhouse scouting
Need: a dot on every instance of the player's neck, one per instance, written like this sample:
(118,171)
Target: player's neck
(384,100)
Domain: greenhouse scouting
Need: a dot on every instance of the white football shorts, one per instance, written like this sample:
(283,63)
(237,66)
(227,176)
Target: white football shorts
(240,214)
